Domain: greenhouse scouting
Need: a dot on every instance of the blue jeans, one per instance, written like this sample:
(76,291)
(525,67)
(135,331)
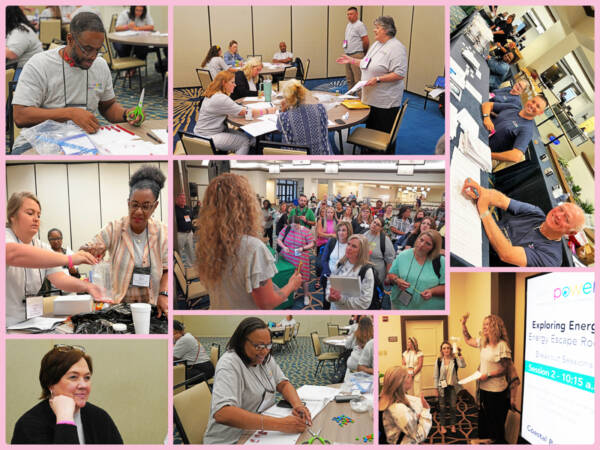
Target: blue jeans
(499,72)
(448,406)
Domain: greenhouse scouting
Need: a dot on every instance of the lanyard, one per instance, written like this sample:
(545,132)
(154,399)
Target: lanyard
(87,79)
(25,270)
(378,48)
(419,276)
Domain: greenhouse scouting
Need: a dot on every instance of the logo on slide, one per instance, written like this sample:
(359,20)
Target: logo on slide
(576,290)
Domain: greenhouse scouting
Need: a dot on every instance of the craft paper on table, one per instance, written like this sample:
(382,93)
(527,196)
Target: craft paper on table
(356,87)
(346,285)
(37,324)
(258,105)
(310,392)
(464,212)
(473,377)
(109,138)
(474,92)
(467,123)
(162,134)
(272,438)
(80,144)
(259,127)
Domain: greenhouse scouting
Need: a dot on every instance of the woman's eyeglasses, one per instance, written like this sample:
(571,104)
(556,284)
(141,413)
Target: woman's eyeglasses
(260,346)
(146,207)
(68,348)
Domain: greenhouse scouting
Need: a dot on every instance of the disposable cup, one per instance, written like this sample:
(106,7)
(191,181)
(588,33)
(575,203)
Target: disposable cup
(141,317)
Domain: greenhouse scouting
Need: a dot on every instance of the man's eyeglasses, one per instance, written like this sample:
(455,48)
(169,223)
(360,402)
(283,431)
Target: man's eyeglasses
(146,207)
(56,239)
(261,346)
(89,52)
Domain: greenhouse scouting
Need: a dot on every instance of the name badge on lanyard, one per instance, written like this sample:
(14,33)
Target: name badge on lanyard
(364,63)
(141,277)
(186,218)
(345,44)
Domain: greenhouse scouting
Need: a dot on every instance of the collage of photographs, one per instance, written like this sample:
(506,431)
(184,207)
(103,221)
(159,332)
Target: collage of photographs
(299,224)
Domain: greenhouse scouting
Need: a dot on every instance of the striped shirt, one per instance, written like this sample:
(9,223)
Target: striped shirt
(117,240)
(297,239)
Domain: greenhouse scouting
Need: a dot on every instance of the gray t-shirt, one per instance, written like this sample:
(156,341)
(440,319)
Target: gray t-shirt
(353,36)
(124,19)
(254,265)
(251,388)
(24,44)
(385,58)
(139,246)
(189,349)
(379,260)
(41,84)
(213,112)
(16,290)
(366,356)
(215,65)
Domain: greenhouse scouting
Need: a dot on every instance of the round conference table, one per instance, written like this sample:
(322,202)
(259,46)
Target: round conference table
(356,116)
(143,39)
(276,69)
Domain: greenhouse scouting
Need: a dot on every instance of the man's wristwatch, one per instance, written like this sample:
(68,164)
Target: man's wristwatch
(486,115)
(165,293)
(378,80)
(124,115)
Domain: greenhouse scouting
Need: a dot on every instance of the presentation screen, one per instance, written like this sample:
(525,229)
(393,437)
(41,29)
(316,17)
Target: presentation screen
(558,381)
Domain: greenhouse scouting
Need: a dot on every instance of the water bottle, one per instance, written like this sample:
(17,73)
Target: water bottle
(268,89)
(101,276)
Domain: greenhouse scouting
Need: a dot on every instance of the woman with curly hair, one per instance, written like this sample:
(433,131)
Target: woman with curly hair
(138,245)
(495,364)
(232,261)
(403,418)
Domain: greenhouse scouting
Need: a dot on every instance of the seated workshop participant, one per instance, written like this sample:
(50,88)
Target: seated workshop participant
(136,18)
(500,68)
(524,235)
(334,250)
(307,217)
(283,56)
(21,39)
(64,416)
(510,95)
(29,260)
(365,362)
(55,238)
(351,265)
(512,127)
(289,321)
(186,347)
(214,62)
(403,418)
(246,381)
(358,340)
(502,29)
(138,245)
(69,83)
(384,69)
(246,80)
(233,262)
(301,122)
(216,105)
(232,57)
(417,275)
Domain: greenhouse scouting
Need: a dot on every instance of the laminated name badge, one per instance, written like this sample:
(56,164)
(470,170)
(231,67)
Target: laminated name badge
(34,307)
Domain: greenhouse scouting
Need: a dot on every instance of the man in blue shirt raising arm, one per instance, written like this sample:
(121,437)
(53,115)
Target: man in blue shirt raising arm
(524,235)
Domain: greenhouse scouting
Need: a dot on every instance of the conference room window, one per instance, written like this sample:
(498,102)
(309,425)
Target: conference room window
(522,108)
(287,190)
(121,50)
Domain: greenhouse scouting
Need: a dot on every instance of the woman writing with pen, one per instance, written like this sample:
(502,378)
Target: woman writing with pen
(246,381)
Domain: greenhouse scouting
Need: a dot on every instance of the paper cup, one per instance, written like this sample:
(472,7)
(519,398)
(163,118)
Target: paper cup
(141,317)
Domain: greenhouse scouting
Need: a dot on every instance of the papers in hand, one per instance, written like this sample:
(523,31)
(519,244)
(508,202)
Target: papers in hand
(473,377)
(349,286)
(356,87)
(37,324)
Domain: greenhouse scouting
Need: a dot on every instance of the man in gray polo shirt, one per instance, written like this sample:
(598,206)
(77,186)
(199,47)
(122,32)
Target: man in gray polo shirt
(356,44)
(68,83)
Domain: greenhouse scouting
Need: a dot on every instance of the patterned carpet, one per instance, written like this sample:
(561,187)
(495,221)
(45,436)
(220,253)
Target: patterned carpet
(297,362)
(155,104)
(420,127)
(466,421)
(316,296)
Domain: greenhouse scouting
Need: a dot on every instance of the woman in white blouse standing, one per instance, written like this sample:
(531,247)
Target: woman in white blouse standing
(357,256)
(412,359)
